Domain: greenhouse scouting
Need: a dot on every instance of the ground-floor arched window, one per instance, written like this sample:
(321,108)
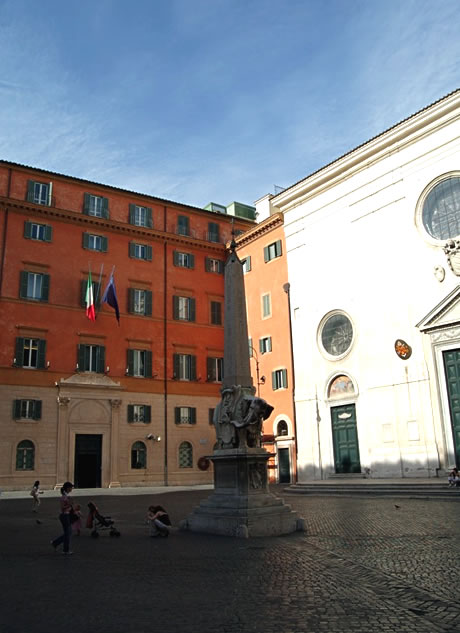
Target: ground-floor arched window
(25,455)
(138,455)
(185,455)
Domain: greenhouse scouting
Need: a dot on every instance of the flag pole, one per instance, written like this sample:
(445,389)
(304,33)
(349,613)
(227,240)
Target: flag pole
(99,288)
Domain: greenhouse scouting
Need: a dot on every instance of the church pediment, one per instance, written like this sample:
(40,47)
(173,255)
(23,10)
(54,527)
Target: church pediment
(445,314)
(89,379)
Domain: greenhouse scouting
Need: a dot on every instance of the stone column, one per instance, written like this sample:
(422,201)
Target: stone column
(114,432)
(62,457)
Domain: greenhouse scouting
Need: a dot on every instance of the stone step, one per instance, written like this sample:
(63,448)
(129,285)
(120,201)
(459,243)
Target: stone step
(326,488)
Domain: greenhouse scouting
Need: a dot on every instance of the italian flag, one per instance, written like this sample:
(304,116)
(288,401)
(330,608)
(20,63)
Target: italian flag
(90,311)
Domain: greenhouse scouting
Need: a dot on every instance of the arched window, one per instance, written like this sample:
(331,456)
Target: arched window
(282,428)
(25,455)
(441,210)
(185,455)
(341,387)
(138,455)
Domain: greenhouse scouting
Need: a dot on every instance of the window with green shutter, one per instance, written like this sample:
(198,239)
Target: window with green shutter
(272,251)
(183,260)
(97,206)
(184,308)
(39,192)
(96,292)
(140,216)
(39,232)
(140,363)
(140,301)
(95,242)
(184,366)
(139,413)
(140,251)
(246,263)
(183,225)
(216,313)
(138,455)
(25,455)
(185,415)
(265,344)
(91,358)
(27,409)
(30,352)
(279,379)
(213,265)
(213,232)
(34,286)
(215,369)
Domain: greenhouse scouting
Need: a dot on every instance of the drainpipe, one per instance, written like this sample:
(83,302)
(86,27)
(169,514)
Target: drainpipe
(165,351)
(5,228)
(287,288)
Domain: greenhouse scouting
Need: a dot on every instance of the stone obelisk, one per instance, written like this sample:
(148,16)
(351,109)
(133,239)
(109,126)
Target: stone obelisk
(241,504)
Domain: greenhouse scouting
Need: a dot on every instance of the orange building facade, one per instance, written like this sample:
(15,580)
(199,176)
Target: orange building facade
(100,403)
(262,251)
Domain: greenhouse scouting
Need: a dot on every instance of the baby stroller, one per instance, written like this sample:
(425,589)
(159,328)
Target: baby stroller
(96,522)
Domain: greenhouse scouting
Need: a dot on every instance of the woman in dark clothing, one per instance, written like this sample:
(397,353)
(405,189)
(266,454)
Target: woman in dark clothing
(66,506)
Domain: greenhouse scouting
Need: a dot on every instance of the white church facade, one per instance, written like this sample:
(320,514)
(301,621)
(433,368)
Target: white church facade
(373,254)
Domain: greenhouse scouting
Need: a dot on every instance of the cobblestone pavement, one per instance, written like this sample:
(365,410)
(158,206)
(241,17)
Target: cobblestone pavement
(363,565)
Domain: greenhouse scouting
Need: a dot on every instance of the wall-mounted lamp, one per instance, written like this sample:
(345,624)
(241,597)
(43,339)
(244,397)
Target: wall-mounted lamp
(14,362)
(127,371)
(47,364)
(76,367)
(262,380)
(107,369)
(154,438)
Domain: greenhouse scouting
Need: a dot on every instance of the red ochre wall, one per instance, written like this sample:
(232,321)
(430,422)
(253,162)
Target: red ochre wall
(63,323)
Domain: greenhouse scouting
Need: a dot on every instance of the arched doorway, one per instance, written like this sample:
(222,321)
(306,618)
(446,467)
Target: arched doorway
(283,453)
(344,429)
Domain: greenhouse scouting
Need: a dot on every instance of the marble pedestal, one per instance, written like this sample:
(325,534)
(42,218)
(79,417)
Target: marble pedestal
(241,504)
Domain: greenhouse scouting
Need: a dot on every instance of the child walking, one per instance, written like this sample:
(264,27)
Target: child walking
(35,494)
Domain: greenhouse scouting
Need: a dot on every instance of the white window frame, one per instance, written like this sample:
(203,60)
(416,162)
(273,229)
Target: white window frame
(140,215)
(140,251)
(266,303)
(279,379)
(42,193)
(139,363)
(185,367)
(138,412)
(37,231)
(94,242)
(139,301)
(265,344)
(95,205)
(34,286)
(30,350)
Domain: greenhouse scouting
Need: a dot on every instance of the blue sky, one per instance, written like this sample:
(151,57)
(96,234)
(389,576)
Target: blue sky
(214,100)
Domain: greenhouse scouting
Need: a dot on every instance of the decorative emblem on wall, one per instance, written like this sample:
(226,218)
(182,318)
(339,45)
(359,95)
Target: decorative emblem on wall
(452,250)
(439,273)
(402,349)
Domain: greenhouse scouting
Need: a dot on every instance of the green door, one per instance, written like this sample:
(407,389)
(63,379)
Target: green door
(284,467)
(452,369)
(345,438)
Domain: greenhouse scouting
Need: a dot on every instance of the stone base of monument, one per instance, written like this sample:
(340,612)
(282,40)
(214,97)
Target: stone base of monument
(241,504)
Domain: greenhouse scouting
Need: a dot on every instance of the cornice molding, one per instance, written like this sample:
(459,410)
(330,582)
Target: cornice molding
(73,217)
(399,136)
(269,224)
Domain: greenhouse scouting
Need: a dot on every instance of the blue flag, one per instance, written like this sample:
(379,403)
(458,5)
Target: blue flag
(110,297)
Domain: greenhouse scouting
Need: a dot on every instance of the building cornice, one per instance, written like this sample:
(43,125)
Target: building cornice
(101,224)
(405,133)
(266,226)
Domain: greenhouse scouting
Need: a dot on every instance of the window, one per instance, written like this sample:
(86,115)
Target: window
(216,313)
(27,409)
(184,260)
(95,242)
(266,306)
(265,344)
(140,363)
(30,353)
(215,367)
(185,415)
(140,251)
(96,205)
(139,413)
(35,231)
(213,232)
(184,367)
(25,455)
(138,455)
(213,265)
(34,286)
(184,308)
(39,192)
(140,301)
(140,216)
(272,251)
(282,428)
(279,379)
(91,358)
(96,292)
(185,455)
(336,334)
(441,210)
(211,415)
(183,225)
(246,262)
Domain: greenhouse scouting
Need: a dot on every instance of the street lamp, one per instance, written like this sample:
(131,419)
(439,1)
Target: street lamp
(260,381)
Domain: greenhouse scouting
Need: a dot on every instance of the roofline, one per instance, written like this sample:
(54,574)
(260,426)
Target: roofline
(374,138)
(8,163)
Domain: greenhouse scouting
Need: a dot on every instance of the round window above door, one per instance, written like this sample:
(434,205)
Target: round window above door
(335,335)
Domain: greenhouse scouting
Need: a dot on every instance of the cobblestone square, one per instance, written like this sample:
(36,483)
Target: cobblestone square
(372,564)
